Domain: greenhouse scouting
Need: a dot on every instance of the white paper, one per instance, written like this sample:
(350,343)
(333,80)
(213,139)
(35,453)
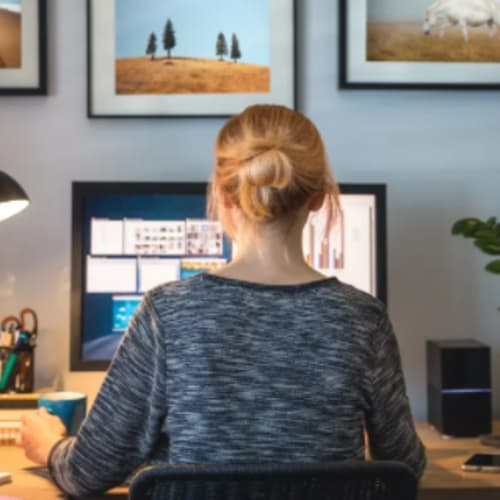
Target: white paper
(154,272)
(109,275)
(106,237)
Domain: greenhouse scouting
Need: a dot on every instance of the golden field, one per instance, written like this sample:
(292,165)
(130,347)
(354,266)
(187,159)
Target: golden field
(184,75)
(407,42)
(10,39)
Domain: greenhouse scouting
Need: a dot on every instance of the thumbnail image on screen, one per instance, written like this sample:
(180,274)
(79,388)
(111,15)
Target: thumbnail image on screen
(348,250)
(135,242)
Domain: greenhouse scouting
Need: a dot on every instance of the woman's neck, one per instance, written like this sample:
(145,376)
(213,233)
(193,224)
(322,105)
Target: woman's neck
(271,254)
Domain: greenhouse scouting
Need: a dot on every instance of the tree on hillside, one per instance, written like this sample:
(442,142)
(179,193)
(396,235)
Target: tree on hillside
(235,48)
(221,48)
(169,41)
(152,46)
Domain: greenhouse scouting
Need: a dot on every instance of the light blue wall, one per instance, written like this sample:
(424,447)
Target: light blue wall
(437,151)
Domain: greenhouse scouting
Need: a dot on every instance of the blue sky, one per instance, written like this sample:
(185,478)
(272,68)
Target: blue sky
(397,10)
(197,24)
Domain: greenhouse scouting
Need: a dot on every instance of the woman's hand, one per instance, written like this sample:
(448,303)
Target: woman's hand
(40,431)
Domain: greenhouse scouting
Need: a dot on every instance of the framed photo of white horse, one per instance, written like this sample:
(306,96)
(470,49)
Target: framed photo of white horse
(189,58)
(435,44)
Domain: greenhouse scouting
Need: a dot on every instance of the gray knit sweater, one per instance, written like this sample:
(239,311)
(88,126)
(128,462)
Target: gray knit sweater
(216,370)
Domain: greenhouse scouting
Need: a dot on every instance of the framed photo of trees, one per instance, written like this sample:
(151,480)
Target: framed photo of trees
(189,58)
(23,47)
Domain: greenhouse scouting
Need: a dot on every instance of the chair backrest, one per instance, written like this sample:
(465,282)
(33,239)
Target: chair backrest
(381,480)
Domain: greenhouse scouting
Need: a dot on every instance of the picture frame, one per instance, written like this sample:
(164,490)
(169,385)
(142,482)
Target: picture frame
(156,66)
(416,45)
(23,47)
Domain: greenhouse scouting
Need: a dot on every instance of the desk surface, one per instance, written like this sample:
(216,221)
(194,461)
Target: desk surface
(27,486)
(444,460)
(443,473)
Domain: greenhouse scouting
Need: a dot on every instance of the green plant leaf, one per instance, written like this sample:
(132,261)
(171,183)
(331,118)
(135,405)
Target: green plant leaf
(491,222)
(489,248)
(492,240)
(493,267)
(467,227)
(486,234)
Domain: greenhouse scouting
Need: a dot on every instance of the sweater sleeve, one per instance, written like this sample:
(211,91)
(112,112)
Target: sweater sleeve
(389,422)
(125,422)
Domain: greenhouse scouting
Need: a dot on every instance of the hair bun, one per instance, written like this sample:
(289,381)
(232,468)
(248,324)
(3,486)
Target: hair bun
(270,160)
(270,167)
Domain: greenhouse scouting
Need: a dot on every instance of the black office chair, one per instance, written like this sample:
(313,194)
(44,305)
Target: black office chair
(329,481)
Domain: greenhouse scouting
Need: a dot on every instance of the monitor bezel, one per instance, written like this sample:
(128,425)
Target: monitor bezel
(82,189)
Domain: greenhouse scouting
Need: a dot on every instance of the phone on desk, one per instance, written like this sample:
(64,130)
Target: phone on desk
(482,462)
(5,477)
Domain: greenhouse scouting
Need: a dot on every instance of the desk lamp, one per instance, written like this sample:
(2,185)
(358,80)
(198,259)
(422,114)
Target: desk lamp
(13,198)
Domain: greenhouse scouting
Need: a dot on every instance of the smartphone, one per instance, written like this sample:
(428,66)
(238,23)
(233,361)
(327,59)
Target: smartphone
(483,462)
(5,477)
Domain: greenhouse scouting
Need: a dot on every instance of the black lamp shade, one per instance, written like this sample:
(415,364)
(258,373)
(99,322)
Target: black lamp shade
(13,198)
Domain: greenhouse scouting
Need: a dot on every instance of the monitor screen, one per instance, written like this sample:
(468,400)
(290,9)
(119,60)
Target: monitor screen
(131,237)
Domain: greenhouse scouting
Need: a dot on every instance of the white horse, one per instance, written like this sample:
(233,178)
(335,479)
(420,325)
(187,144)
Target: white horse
(463,13)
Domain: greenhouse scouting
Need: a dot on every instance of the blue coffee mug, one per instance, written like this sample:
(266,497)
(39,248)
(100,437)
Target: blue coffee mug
(70,407)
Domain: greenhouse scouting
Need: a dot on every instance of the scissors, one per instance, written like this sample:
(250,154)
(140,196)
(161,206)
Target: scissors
(29,313)
(13,323)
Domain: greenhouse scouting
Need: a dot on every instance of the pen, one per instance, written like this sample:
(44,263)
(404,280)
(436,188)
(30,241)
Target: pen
(23,340)
(9,370)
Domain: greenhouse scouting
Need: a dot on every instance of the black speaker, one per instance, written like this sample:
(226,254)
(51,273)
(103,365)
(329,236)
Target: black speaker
(459,387)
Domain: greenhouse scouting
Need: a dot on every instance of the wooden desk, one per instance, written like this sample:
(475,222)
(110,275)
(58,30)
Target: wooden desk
(27,486)
(443,479)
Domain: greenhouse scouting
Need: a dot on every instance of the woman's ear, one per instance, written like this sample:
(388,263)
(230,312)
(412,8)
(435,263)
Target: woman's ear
(316,201)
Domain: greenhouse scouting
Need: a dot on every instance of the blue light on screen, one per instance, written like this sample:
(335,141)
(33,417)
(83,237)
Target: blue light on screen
(123,310)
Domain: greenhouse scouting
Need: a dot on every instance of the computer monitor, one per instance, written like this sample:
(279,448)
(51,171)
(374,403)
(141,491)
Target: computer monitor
(130,237)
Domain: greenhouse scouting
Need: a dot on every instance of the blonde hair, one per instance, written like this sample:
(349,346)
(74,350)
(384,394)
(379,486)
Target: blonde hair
(270,160)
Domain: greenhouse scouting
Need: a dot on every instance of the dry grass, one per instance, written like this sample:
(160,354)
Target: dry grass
(10,39)
(181,75)
(406,42)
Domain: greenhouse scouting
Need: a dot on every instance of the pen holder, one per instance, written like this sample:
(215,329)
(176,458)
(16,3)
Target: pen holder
(17,369)
(25,371)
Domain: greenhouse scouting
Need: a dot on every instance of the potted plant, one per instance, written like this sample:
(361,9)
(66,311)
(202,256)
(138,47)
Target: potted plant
(486,236)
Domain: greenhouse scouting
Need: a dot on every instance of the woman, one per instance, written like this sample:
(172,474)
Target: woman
(264,360)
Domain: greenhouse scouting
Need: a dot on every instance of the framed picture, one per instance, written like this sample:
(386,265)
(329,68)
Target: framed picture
(189,58)
(435,44)
(23,47)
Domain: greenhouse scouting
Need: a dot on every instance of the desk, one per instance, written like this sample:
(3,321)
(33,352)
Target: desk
(443,479)
(28,486)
